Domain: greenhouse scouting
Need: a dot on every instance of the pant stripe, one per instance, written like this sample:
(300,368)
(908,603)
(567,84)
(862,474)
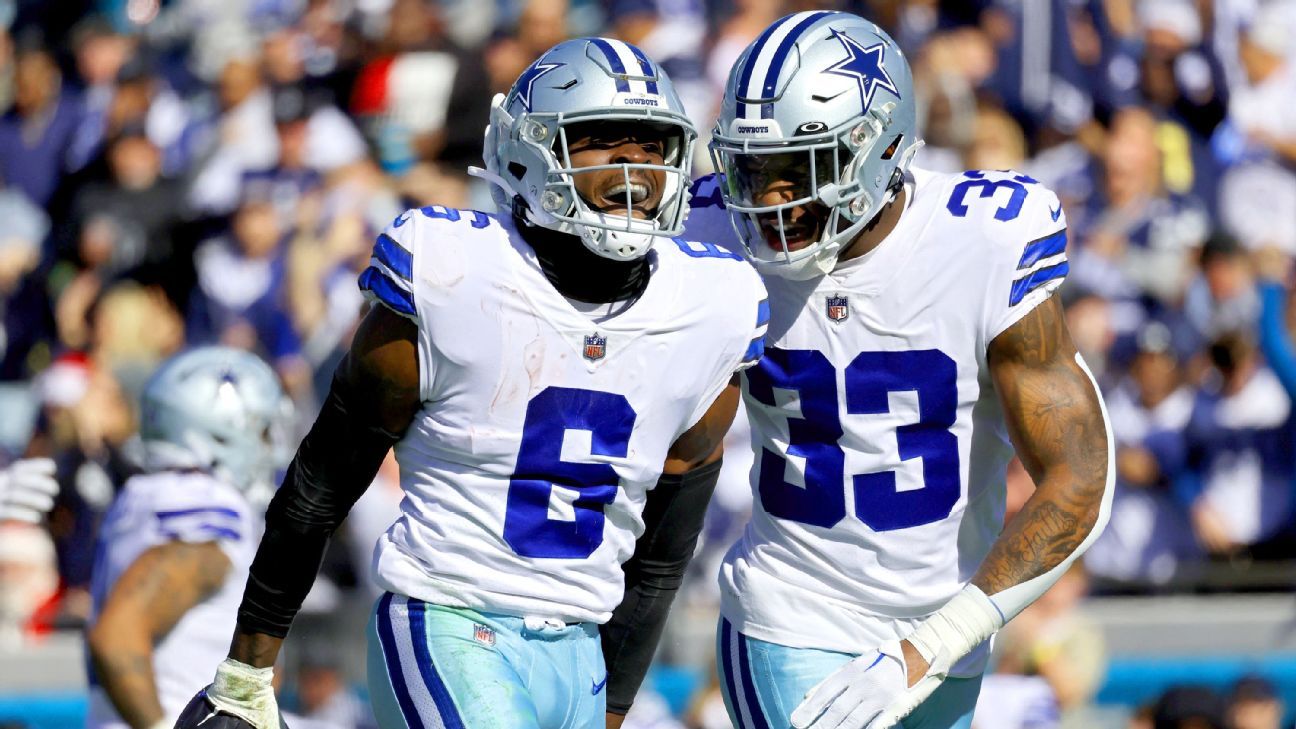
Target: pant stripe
(391,657)
(445,707)
(749,685)
(733,668)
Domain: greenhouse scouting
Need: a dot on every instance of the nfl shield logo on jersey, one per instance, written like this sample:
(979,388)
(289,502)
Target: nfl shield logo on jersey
(595,347)
(838,308)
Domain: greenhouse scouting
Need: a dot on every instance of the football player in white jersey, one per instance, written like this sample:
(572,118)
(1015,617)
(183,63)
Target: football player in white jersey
(175,546)
(556,380)
(914,338)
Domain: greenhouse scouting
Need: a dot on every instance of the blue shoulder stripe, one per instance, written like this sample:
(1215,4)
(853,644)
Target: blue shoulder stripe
(394,256)
(1038,250)
(755,350)
(399,300)
(1027,284)
(762,312)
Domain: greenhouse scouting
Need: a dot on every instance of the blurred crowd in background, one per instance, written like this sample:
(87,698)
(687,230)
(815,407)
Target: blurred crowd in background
(182,172)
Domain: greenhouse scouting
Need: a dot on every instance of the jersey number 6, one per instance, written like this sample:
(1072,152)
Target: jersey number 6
(529,528)
(814,437)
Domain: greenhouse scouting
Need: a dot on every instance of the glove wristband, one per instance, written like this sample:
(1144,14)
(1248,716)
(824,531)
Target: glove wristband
(958,627)
(245,692)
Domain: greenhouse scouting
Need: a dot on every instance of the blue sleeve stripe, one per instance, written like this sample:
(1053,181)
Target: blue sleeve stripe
(754,350)
(1038,250)
(387,292)
(403,284)
(1024,286)
(221,510)
(393,256)
(762,313)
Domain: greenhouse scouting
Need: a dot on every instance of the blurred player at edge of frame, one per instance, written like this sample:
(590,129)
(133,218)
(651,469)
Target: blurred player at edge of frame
(914,339)
(556,380)
(175,547)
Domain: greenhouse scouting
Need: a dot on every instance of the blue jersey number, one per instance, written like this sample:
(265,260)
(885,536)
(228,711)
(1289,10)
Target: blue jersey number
(871,377)
(528,527)
(957,204)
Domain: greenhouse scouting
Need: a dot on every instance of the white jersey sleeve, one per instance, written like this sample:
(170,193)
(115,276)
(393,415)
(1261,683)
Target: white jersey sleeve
(1028,237)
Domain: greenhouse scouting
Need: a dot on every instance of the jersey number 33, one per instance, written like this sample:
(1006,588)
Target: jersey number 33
(869,380)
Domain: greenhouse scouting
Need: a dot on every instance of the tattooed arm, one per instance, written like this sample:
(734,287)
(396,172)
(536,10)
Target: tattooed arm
(1057,423)
(151,596)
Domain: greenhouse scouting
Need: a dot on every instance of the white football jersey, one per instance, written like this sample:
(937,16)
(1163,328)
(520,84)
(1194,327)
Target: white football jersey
(880,444)
(541,431)
(154,509)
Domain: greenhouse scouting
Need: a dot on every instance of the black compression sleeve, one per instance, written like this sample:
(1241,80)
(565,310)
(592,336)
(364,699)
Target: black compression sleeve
(673,518)
(334,465)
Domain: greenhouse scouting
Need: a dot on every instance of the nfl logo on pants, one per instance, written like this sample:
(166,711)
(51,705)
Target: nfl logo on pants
(595,347)
(837,308)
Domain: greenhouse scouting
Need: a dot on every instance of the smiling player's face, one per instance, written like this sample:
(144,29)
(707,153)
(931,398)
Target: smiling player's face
(613,143)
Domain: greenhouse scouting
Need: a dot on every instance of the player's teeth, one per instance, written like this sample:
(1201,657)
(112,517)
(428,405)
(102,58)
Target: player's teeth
(638,192)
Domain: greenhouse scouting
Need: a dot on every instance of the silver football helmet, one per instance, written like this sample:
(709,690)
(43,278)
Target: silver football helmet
(528,159)
(818,110)
(217,409)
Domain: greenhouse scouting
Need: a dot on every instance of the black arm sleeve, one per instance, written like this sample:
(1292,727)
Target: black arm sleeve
(334,465)
(673,518)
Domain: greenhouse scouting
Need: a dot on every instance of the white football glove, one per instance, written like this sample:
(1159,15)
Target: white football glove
(27,490)
(854,695)
(906,702)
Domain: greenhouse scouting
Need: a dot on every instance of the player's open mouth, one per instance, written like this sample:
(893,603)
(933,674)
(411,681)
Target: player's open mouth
(643,203)
(798,236)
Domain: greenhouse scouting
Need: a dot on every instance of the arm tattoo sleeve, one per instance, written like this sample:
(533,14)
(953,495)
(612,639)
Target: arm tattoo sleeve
(1058,425)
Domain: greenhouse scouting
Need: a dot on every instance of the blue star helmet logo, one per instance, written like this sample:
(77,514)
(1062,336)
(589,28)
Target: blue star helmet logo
(865,66)
(526,82)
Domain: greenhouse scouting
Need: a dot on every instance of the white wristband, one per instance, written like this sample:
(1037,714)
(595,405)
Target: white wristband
(245,692)
(162,724)
(958,627)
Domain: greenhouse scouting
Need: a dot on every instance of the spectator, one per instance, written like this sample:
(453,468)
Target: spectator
(323,693)
(1254,704)
(242,137)
(28,584)
(241,297)
(1258,202)
(1222,297)
(1053,640)
(36,133)
(26,323)
(1136,238)
(1149,534)
(1188,707)
(85,424)
(1240,470)
(128,223)
(423,98)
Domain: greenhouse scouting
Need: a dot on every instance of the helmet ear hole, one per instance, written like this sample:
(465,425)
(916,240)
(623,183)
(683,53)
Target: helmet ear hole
(517,169)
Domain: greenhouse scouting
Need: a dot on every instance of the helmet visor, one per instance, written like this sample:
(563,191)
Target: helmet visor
(766,178)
